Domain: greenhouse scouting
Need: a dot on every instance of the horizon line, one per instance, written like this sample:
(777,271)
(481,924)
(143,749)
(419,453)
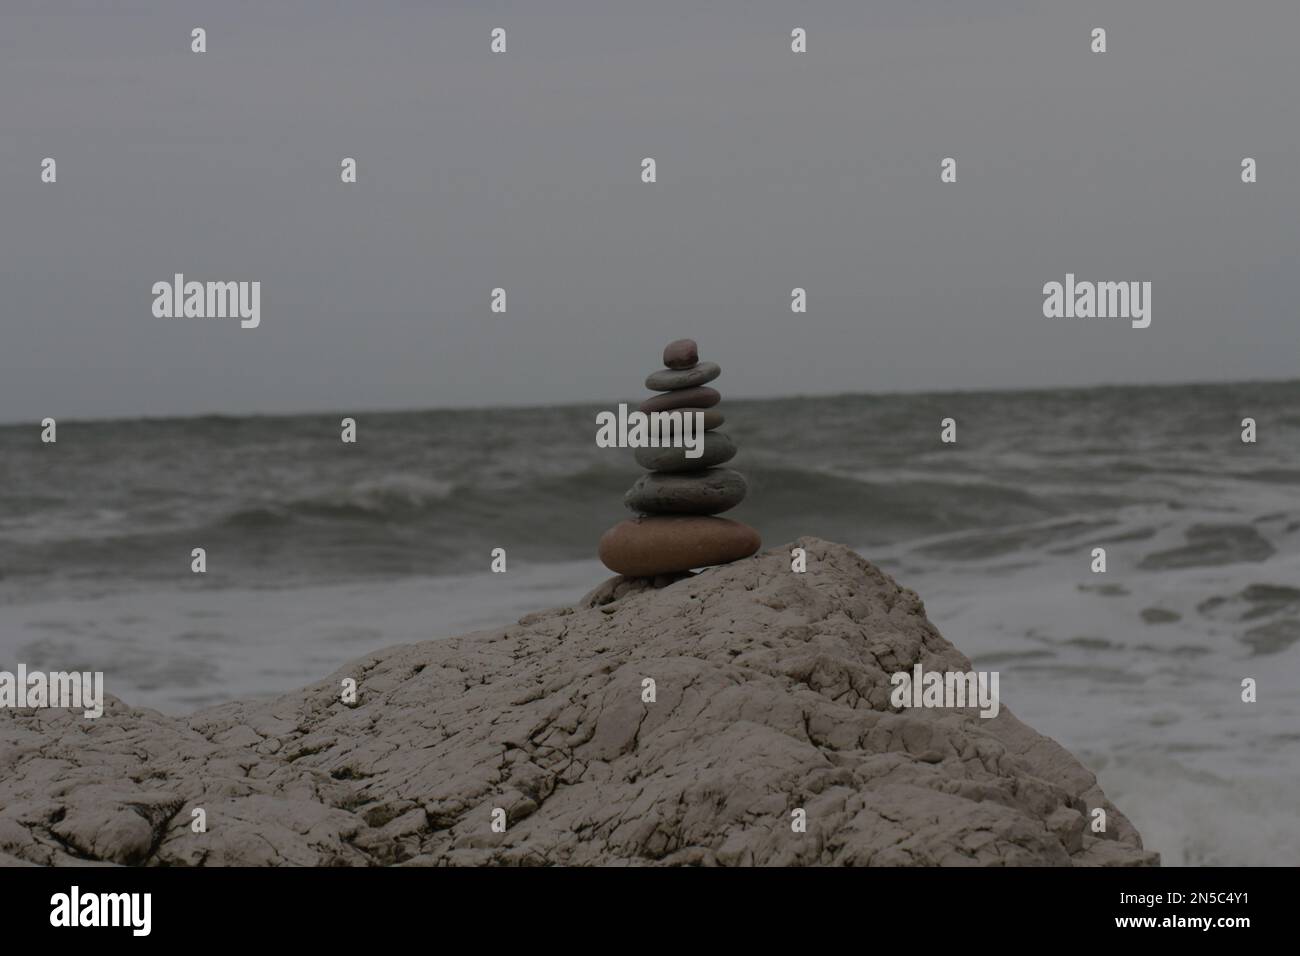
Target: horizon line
(805,396)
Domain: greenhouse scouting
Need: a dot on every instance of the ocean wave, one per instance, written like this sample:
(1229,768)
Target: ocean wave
(277,499)
(906,507)
(387,496)
(1278,476)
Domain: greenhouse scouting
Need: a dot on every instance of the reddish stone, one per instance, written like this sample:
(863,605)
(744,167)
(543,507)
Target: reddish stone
(683,353)
(664,544)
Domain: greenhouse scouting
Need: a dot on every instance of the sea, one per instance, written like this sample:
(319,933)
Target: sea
(319,552)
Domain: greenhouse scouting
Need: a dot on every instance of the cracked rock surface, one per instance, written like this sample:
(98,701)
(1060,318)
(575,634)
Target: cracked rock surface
(771,694)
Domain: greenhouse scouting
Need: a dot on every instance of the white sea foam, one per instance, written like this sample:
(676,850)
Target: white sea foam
(179,650)
(1154,709)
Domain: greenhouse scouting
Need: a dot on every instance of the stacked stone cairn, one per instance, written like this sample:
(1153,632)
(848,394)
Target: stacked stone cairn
(677,503)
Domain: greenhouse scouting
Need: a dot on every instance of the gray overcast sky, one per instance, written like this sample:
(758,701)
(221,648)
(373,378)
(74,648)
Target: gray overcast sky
(522,170)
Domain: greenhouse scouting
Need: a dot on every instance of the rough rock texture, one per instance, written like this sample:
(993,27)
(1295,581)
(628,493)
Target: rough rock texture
(772,694)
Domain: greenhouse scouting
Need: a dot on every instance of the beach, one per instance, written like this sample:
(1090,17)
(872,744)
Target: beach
(320,552)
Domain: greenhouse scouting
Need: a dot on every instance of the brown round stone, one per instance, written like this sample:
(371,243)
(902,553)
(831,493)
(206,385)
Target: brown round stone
(663,544)
(681,354)
(699,397)
(713,417)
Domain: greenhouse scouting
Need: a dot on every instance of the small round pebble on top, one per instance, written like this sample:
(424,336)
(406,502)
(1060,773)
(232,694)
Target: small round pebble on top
(683,353)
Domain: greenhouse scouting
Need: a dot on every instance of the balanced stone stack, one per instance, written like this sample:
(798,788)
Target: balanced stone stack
(678,501)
